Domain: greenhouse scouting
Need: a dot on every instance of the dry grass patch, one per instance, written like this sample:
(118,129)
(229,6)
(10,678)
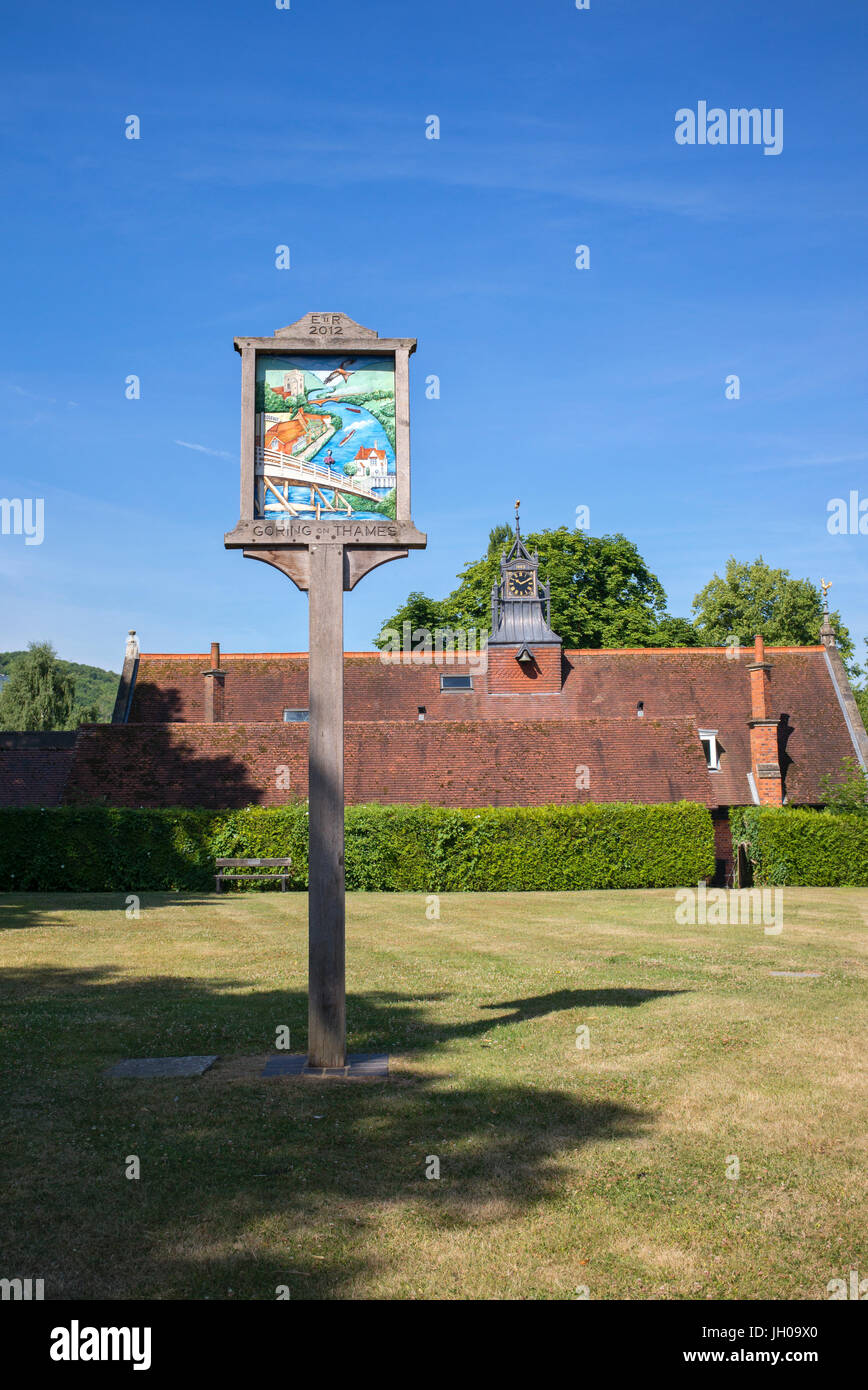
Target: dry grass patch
(560,1167)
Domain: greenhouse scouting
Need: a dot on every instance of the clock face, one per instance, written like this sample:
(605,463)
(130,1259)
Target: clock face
(519,583)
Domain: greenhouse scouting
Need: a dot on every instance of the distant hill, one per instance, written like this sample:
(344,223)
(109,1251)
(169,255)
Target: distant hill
(93,685)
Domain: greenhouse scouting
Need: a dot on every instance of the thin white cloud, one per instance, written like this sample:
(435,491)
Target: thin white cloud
(201,449)
(31,395)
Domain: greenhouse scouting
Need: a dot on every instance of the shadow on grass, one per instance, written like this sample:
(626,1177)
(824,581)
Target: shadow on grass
(247,1184)
(537,1005)
(19,912)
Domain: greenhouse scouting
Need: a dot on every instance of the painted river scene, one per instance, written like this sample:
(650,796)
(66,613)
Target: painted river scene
(325,436)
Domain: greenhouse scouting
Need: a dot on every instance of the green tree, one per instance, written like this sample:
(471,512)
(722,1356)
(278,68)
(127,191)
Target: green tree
(419,611)
(752,598)
(849,792)
(499,538)
(95,688)
(861,695)
(675,632)
(602,592)
(39,694)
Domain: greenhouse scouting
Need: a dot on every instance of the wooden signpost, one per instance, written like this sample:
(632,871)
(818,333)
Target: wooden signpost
(325,498)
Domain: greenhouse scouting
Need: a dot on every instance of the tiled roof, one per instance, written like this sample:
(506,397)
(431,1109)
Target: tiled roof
(700,685)
(462,763)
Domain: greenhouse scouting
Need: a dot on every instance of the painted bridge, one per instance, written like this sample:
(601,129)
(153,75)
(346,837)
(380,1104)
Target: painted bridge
(277,472)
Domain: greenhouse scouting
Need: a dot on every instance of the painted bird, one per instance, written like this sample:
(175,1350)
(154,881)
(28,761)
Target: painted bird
(340,371)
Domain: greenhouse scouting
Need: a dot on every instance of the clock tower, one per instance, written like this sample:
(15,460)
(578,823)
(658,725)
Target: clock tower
(524,653)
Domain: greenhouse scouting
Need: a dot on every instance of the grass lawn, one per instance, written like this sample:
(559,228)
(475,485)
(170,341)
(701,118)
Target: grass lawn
(603,1167)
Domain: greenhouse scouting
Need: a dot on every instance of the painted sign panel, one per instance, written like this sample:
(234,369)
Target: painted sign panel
(324,436)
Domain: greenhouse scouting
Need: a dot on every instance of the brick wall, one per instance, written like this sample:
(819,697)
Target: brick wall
(766,767)
(33,776)
(722,847)
(508,676)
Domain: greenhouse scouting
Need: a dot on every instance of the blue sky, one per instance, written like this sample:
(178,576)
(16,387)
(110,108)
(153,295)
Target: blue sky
(601,387)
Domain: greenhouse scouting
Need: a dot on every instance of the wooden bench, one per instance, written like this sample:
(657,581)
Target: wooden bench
(245,876)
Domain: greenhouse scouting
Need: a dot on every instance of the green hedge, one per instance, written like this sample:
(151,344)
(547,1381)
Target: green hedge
(402,848)
(818,849)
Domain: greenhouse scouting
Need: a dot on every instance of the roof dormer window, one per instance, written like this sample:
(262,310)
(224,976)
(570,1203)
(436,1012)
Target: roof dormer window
(708,739)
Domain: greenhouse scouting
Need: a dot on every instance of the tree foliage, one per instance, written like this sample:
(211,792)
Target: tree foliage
(602,593)
(499,538)
(95,688)
(862,696)
(848,791)
(752,598)
(39,695)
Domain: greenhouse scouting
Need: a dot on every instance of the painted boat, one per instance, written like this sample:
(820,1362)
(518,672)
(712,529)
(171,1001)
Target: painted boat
(354,409)
(345,438)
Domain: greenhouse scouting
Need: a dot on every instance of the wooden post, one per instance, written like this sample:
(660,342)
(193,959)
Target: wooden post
(323,553)
(327,1027)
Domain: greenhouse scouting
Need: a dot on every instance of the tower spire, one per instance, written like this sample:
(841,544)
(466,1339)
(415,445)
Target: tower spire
(827,632)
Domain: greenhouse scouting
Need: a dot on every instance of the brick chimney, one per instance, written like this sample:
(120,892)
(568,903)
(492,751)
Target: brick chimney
(827,632)
(215,680)
(763,726)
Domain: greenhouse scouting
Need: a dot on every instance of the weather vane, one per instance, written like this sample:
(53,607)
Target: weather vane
(825,585)
(517,505)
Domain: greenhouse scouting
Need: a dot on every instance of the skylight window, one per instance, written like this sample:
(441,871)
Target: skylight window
(456,682)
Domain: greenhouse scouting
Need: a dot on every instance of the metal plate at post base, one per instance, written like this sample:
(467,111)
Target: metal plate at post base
(360,1065)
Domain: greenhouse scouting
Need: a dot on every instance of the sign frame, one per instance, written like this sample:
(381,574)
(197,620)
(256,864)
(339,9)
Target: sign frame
(285,542)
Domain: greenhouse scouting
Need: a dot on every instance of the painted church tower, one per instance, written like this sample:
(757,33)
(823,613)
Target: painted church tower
(524,655)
